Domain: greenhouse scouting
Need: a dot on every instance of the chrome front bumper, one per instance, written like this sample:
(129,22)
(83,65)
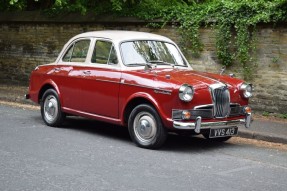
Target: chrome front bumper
(198,124)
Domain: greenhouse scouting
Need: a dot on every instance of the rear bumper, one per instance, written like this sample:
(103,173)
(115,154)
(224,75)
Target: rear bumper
(27,96)
(198,124)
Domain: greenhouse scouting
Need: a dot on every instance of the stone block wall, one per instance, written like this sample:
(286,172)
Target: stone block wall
(24,45)
(271,73)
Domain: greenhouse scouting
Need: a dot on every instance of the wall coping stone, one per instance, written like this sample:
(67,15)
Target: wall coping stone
(90,17)
(41,17)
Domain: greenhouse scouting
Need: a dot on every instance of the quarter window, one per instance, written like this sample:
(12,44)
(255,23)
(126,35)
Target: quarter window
(104,53)
(77,52)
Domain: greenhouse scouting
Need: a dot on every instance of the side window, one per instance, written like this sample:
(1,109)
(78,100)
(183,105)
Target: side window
(104,53)
(77,52)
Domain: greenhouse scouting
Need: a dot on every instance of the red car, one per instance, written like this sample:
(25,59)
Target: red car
(141,81)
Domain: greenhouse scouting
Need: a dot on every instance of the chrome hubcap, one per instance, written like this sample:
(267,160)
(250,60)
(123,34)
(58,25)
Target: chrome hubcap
(145,126)
(50,108)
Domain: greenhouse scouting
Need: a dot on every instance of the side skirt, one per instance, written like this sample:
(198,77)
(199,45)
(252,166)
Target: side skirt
(92,116)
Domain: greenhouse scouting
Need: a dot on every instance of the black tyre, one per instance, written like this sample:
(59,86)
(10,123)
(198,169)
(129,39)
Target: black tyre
(218,139)
(145,127)
(51,109)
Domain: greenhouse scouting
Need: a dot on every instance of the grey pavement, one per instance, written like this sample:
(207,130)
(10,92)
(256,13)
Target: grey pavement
(261,129)
(266,130)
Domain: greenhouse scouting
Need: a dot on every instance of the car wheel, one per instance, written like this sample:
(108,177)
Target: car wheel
(218,139)
(51,108)
(145,127)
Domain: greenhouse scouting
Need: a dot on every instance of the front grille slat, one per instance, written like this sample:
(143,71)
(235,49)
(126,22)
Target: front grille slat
(221,100)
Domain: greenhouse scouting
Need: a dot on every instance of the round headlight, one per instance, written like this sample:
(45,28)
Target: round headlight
(246,90)
(186,92)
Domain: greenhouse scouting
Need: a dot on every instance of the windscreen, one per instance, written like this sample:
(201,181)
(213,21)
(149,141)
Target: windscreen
(146,51)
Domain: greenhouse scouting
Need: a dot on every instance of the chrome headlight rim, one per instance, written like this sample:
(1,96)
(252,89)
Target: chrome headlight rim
(246,89)
(186,92)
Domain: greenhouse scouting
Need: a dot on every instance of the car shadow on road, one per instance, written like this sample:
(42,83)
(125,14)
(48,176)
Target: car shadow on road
(178,143)
(174,143)
(96,127)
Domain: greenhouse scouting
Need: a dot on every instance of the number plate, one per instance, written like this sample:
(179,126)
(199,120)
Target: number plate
(223,132)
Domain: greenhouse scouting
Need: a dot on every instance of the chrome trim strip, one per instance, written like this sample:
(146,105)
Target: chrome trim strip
(208,77)
(148,87)
(95,116)
(218,86)
(208,105)
(202,106)
(109,81)
(165,92)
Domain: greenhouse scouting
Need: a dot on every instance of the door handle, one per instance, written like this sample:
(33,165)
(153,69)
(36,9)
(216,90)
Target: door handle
(87,72)
(57,69)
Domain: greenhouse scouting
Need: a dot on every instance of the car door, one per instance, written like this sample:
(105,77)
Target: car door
(100,85)
(73,63)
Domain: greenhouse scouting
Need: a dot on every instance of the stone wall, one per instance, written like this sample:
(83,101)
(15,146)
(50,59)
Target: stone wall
(270,75)
(26,43)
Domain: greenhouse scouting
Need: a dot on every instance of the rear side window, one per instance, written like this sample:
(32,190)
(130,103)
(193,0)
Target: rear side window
(104,53)
(77,52)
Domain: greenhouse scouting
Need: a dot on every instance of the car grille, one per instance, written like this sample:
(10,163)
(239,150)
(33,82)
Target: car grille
(221,100)
(207,111)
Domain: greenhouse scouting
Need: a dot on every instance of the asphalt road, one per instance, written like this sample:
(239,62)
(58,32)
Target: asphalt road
(89,155)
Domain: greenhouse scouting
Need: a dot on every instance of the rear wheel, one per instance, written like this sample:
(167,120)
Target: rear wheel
(145,127)
(51,108)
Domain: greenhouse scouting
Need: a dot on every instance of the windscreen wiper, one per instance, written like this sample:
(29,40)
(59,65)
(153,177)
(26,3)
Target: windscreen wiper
(159,62)
(137,64)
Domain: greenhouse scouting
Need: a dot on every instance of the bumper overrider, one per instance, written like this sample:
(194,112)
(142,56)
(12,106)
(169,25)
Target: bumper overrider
(198,124)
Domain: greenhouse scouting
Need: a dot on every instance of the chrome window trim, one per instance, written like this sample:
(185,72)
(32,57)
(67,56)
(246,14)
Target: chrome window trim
(93,49)
(64,51)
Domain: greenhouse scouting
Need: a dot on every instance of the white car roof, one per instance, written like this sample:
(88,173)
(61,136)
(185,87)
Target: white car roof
(118,35)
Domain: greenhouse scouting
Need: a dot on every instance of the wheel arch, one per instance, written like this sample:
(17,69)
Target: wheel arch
(48,85)
(135,101)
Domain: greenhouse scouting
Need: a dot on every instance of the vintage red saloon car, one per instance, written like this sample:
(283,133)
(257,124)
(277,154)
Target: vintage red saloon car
(141,81)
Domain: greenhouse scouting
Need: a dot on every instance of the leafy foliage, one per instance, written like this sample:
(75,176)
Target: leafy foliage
(234,20)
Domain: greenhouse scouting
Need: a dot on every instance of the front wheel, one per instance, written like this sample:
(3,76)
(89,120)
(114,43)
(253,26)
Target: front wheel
(145,127)
(51,108)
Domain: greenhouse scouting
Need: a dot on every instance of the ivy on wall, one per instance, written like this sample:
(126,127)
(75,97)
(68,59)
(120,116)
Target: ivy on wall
(234,20)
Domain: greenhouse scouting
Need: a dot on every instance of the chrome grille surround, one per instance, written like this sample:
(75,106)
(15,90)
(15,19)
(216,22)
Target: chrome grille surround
(221,100)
